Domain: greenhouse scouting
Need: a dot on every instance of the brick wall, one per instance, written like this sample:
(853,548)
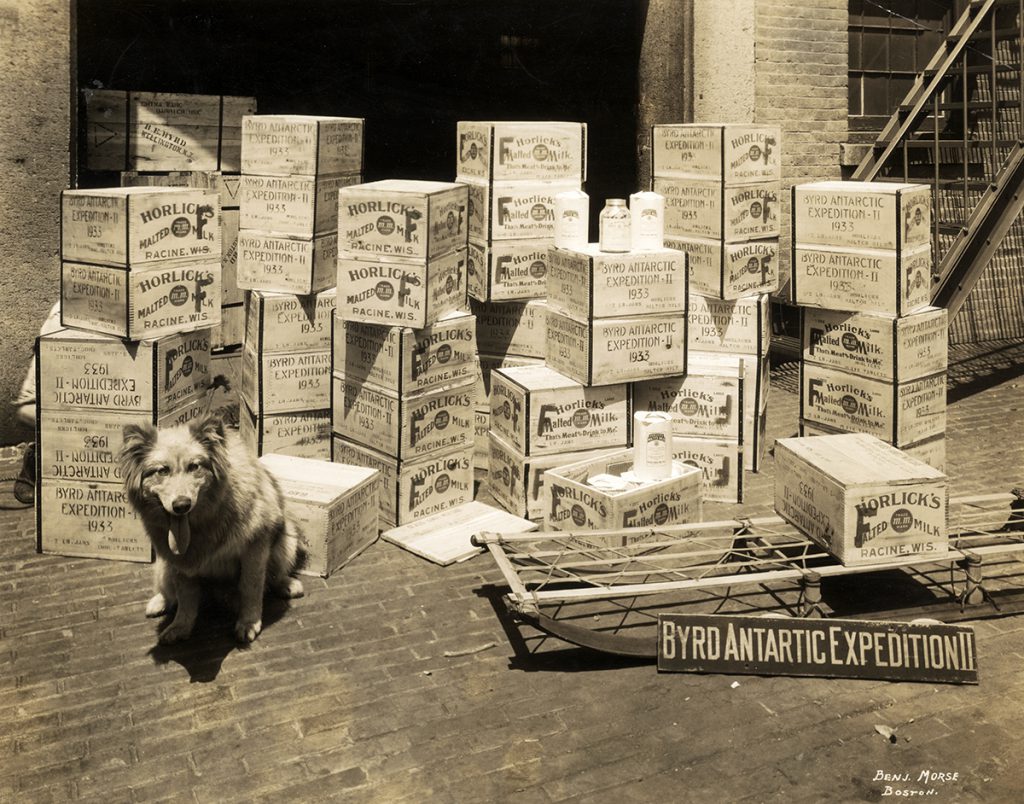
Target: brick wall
(800,84)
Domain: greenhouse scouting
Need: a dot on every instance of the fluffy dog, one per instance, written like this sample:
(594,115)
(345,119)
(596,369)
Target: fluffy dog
(212,512)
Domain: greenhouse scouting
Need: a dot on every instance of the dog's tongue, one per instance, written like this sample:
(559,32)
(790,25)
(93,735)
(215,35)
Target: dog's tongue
(179,534)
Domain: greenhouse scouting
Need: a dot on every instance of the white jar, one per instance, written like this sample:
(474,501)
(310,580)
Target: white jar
(572,219)
(615,226)
(647,211)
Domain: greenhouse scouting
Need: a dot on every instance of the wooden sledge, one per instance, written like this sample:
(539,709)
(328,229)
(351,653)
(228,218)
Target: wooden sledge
(548,570)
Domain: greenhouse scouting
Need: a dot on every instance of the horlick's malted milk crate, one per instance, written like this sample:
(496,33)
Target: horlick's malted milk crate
(515,150)
(516,481)
(404,360)
(572,504)
(299,206)
(862,246)
(877,346)
(513,210)
(864,501)
(707,401)
(335,508)
(487,365)
(413,489)
(587,283)
(731,153)
(399,218)
(281,322)
(511,328)
(404,425)
(720,461)
(401,292)
(696,208)
(286,264)
(305,433)
(538,411)
(932,450)
(729,270)
(613,350)
(301,145)
(163,131)
(733,326)
(140,262)
(89,387)
(507,270)
(900,413)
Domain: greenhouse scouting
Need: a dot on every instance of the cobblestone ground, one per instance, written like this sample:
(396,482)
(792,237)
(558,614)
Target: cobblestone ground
(349,694)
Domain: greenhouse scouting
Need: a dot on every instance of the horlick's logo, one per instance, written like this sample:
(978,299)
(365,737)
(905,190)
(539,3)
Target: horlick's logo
(570,503)
(756,205)
(656,510)
(553,417)
(419,489)
(173,373)
(516,150)
(716,472)
(424,359)
(443,417)
(179,294)
(182,220)
(533,209)
(850,339)
(699,405)
(384,290)
(392,217)
(757,152)
(900,521)
(843,397)
(511,267)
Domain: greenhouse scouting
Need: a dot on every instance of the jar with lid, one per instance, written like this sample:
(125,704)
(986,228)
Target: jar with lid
(614,226)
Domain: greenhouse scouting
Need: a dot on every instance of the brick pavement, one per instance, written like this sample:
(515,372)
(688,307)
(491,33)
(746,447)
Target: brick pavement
(348,695)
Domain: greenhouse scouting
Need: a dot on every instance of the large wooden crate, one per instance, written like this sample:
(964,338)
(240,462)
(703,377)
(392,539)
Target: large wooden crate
(286,264)
(301,145)
(707,401)
(140,227)
(305,434)
(403,360)
(335,507)
(730,270)
(863,500)
(511,328)
(283,322)
(720,461)
(731,153)
(486,364)
(513,210)
(298,206)
(286,382)
(507,270)
(89,520)
(587,283)
(539,411)
(700,208)
(517,150)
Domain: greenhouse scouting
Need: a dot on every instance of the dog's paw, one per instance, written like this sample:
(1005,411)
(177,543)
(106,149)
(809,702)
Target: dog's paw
(248,631)
(290,589)
(157,606)
(174,633)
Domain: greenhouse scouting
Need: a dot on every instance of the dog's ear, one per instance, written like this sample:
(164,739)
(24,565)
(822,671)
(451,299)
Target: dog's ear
(208,431)
(138,439)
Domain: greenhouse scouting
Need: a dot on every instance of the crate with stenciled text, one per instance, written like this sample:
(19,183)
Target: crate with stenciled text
(932,450)
(297,206)
(301,145)
(733,153)
(729,270)
(304,433)
(513,210)
(863,500)
(521,149)
(286,382)
(283,322)
(511,328)
(698,208)
(508,270)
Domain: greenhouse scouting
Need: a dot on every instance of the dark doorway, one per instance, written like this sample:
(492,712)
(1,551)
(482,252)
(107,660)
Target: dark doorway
(412,68)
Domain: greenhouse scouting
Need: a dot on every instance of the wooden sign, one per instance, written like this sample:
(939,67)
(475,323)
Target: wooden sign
(718,643)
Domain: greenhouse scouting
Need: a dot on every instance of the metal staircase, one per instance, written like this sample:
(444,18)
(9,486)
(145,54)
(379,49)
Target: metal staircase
(960,129)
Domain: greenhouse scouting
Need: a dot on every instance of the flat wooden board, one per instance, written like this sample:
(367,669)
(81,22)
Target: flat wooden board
(444,537)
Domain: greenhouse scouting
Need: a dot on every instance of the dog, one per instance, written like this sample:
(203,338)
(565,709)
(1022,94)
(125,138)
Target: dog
(212,512)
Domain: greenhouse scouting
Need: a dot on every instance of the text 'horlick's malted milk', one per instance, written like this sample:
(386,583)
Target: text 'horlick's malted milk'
(513,210)
(521,150)
(707,401)
(720,461)
(508,270)
(539,411)
(587,283)
(866,502)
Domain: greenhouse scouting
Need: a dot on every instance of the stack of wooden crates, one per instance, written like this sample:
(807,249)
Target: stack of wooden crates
(874,352)
(292,169)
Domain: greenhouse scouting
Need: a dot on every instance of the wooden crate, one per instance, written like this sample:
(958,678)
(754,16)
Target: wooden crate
(414,220)
(230,332)
(230,292)
(699,208)
(140,227)
(486,365)
(299,206)
(301,145)
(85,370)
(507,270)
(401,292)
(516,481)
(886,282)
(513,210)
(932,450)
(226,185)
(587,283)
(720,461)
(539,411)
(570,503)
(89,520)
(223,396)
(140,304)
(614,350)
(877,346)
(862,215)
(286,382)
(403,360)
(305,434)
(733,326)
(413,489)
(334,505)
(900,413)
(403,426)
(731,153)
(496,151)
(282,322)
(163,131)
(707,401)
(286,264)
(730,270)
(511,328)
(863,500)
(481,445)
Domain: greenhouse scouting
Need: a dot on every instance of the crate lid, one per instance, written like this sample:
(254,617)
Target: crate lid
(857,459)
(314,480)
